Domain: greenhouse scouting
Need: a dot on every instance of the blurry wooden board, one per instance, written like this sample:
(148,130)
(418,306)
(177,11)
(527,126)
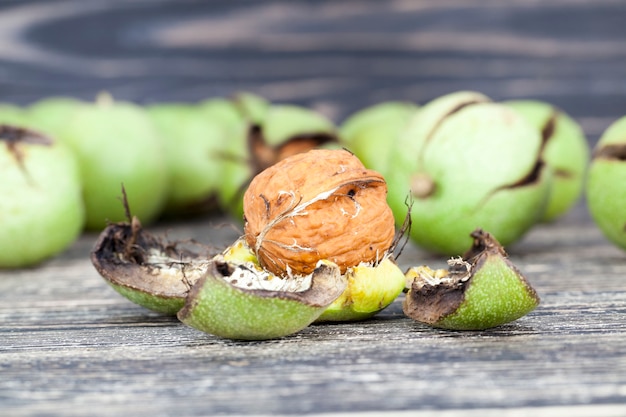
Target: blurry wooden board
(70,346)
(338,56)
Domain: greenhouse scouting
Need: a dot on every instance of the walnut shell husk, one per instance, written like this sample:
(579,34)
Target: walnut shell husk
(146,269)
(322,204)
(483,289)
(237,299)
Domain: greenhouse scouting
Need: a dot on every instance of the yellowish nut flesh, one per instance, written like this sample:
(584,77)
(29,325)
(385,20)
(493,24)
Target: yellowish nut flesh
(371,288)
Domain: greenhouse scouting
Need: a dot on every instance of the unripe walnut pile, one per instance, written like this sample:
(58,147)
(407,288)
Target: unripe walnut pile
(322,204)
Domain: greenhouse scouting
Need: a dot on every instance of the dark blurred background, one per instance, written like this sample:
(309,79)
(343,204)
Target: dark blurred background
(336,56)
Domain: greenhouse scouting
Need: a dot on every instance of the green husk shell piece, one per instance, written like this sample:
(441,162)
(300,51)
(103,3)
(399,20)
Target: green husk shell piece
(145,269)
(371,288)
(230,300)
(480,291)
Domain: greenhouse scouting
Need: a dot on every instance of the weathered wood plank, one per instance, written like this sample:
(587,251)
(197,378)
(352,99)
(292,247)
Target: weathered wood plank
(68,338)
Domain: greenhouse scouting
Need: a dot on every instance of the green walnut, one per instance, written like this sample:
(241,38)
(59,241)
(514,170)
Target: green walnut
(52,114)
(479,291)
(251,106)
(41,209)
(565,153)
(234,124)
(462,163)
(193,140)
(371,133)
(606,183)
(117,144)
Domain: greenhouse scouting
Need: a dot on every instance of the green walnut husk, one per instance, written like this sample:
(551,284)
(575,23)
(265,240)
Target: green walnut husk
(116,143)
(370,289)
(147,270)
(41,209)
(237,299)
(565,153)
(270,134)
(479,291)
(606,183)
(228,295)
(371,133)
(467,163)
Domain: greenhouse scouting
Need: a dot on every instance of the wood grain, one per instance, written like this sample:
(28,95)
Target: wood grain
(70,346)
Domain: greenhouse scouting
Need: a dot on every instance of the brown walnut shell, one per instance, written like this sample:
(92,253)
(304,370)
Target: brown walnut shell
(322,204)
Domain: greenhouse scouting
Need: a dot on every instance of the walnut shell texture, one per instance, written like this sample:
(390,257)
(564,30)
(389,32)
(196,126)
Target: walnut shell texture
(322,204)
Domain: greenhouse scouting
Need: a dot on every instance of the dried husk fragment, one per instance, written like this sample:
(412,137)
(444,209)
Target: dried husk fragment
(145,269)
(322,204)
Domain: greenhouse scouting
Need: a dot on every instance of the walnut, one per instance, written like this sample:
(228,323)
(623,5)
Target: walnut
(322,204)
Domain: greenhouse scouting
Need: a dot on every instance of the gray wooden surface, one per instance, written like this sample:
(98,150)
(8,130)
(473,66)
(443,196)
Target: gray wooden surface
(70,346)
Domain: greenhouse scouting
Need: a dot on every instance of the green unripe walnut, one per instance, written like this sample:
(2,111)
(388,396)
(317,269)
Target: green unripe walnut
(565,153)
(41,209)
(372,133)
(251,107)
(606,183)
(193,142)
(117,144)
(232,156)
(51,115)
(467,163)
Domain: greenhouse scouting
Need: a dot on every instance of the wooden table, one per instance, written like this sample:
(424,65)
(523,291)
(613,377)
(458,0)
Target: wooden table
(70,346)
